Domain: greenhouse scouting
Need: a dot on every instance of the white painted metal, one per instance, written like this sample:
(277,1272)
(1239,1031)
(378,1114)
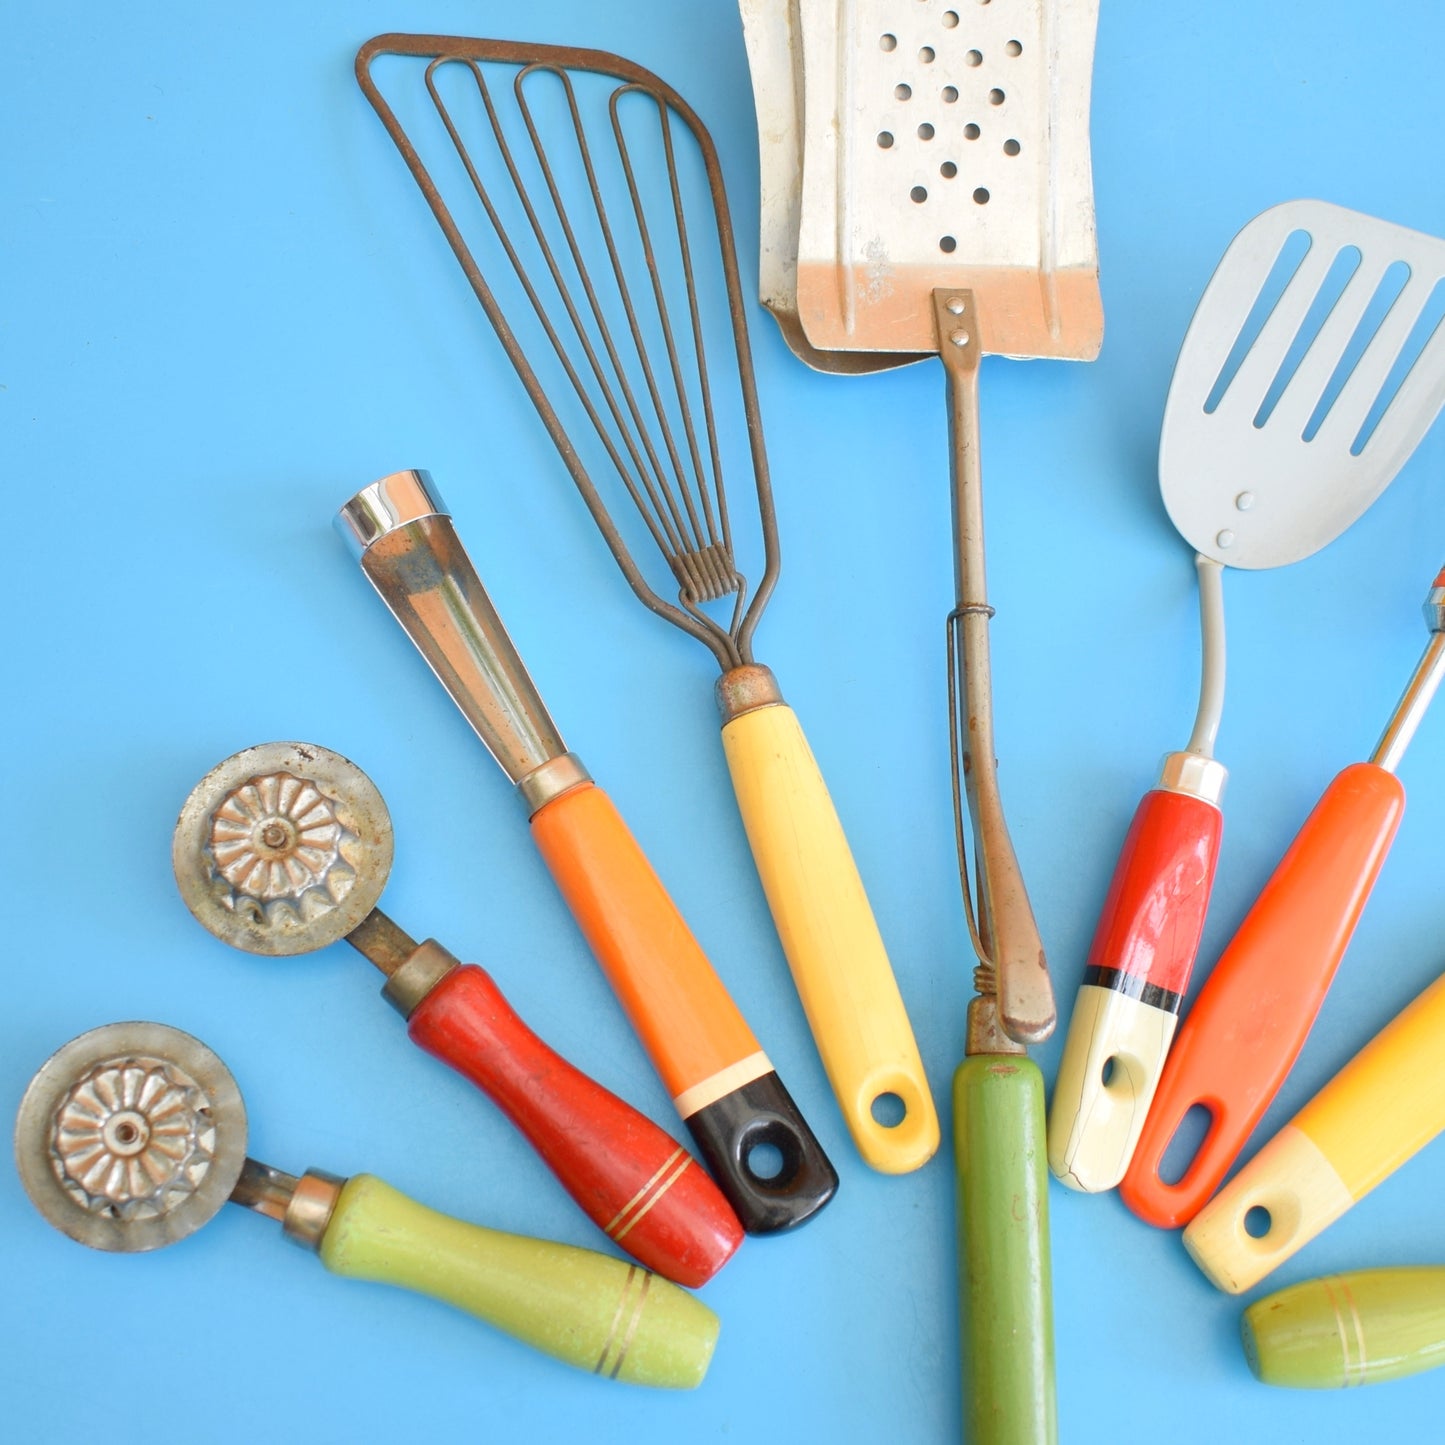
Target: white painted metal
(1259,496)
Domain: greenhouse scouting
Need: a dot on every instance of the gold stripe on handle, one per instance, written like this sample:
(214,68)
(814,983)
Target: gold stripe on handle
(1351,1331)
(642,1193)
(625,1321)
(617,1320)
(650,1192)
(722,1083)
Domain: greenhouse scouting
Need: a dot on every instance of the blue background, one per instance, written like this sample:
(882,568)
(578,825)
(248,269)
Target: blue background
(226,308)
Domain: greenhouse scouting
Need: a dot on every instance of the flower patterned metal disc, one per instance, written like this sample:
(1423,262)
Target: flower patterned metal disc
(282,848)
(131,1137)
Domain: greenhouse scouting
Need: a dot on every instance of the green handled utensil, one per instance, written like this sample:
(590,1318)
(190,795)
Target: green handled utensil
(133,1136)
(1348,1329)
(1005,1280)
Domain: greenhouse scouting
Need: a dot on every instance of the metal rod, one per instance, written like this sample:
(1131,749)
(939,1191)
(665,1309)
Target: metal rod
(1421,688)
(378,940)
(266,1190)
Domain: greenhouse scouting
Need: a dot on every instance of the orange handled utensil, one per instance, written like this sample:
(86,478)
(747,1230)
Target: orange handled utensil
(1313,365)
(1244,1033)
(722,1083)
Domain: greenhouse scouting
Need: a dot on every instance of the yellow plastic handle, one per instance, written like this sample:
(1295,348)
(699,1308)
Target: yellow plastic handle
(1380,1110)
(832,943)
(601,1314)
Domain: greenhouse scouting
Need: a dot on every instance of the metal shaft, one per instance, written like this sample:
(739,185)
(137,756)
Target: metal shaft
(1421,688)
(1005,931)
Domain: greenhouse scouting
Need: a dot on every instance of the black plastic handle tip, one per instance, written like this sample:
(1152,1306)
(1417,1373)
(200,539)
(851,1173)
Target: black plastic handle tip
(764,1156)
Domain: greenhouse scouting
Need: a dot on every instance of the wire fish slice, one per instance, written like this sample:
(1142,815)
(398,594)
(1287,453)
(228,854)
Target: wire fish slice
(589,215)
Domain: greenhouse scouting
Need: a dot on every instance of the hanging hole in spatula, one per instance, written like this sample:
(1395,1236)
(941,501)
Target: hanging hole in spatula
(1189,1138)
(888,1110)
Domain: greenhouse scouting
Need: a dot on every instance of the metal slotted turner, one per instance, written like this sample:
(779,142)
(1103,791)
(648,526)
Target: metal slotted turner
(1313,366)
(584,201)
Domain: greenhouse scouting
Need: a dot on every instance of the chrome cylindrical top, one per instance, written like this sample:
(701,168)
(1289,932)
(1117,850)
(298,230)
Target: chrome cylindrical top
(403,535)
(385,505)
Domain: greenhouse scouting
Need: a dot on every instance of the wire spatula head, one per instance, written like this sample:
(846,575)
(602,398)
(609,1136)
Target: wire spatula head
(1314,364)
(584,200)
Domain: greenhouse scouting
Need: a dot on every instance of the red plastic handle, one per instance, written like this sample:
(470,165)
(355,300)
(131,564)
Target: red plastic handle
(641,1187)
(1153,916)
(1242,1036)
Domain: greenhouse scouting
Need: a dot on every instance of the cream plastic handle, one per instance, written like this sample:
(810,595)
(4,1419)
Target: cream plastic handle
(831,940)
(591,1310)
(1380,1110)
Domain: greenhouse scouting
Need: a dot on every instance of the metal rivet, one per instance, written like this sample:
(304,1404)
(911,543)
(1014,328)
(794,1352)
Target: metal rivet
(1225,538)
(959,338)
(955,305)
(1244,501)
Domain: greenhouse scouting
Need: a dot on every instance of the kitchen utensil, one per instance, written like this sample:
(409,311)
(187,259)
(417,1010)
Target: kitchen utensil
(285,847)
(133,1136)
(1358,1328)
(721,1082)
(771,29)
(1127,1007)
(637,245)
(1006,1322)
(1273,444)
(1380,1110)
(947,207)
(1256,1008)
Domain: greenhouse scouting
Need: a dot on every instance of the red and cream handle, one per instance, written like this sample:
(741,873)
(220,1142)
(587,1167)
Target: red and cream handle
(1127,1007)
(637,1184)
(722,1083)
(1251,1018)
(1378,1112)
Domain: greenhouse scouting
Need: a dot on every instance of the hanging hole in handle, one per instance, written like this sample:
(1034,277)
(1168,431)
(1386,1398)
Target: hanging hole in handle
(888,1110)
(765,1162)
(1106,1074)
(770,1154)
(1257,1222)
(1194,1128)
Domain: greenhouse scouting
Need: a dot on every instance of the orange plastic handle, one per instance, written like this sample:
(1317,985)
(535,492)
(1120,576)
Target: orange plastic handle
(1246,1029)
(687,1020)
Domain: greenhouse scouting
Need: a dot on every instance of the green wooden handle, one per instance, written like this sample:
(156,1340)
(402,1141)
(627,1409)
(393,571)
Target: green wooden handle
(1348,1329)
(601,1314)
(1005,1299)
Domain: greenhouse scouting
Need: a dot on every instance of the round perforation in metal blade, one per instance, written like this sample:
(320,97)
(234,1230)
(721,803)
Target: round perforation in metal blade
(282,848)
(131,1137)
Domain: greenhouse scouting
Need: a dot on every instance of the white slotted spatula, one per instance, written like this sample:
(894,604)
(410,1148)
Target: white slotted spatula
(1313,365)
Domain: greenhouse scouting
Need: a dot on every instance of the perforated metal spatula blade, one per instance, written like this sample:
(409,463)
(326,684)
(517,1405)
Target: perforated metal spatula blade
(947,145)
(771,29)
(1314,364)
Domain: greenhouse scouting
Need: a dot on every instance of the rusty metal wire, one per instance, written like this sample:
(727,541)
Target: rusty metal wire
(643,387)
